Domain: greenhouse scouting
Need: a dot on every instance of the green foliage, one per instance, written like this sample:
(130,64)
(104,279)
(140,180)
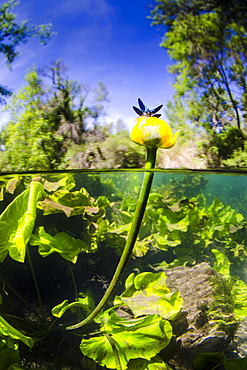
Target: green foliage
(189,186)
(13,34)
(70,216)
(207,43)
(30,138)
(155,363)
(61,243)
(113,151)
(84,301)
(17,222)
(238,287)
(237,159)
(53,122)
(221,147)
(188,228)
(123,340)
(147,294)
(9,343)
(121,152)
(6,330)
(143,336)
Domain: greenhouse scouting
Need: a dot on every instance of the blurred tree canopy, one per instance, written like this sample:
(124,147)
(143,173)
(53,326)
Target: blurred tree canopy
(47,116)
(207,40)
(57,123)
(12,34)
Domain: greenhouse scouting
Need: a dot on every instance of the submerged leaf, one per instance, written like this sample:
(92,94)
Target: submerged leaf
(56,182)
(239,287)
(222,264)
(147,293)
(17,221)
(12,184)
(85,301)
(7,330)
(155,363)
(61,243)
(71,203)
(9,355)
(127,339)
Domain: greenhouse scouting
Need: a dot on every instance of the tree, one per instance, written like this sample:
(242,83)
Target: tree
(30,138)
(13,34)
(49,117)
(207,41)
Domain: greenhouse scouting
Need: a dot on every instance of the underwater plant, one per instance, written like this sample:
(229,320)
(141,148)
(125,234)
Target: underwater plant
(60,236)
(153,133)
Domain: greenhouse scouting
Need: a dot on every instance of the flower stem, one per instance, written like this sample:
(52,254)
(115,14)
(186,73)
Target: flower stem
(132,236)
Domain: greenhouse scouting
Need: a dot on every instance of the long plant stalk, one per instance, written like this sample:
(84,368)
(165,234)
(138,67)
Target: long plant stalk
(78,309)
(35,283)
(131,239)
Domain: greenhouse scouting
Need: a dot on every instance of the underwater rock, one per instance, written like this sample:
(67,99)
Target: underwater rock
(238,346)
(206,323)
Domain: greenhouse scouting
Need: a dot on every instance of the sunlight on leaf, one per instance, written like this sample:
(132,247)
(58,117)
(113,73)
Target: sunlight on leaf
(71,203)
(17,222)
(85,301)
(61,243)
(239,287)
(222,263)
(155,363)
(56,182)
(147,293)
(137,338)
(6,330)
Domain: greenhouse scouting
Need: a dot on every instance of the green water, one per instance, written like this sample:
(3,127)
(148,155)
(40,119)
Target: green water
(62,239)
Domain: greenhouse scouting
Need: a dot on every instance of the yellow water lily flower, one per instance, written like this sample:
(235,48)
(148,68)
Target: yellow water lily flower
(153,132)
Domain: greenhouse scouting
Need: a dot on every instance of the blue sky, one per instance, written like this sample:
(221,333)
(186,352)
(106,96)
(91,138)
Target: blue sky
(99,40)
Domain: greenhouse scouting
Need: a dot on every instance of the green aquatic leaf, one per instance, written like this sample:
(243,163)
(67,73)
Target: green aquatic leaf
(239,288)
(61,243)
(9,355)
(147,293)
(70,203)
(102,201)
(240,299)
(124,340)
(55,182)
(9,184)
(155,363)
(72,199)
(222,263)
(7,330)
(141,247)
(85,301)
(12,184)
(17,222)
(163,242)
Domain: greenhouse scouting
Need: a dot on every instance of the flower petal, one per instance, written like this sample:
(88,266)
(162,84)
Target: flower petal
(153,132)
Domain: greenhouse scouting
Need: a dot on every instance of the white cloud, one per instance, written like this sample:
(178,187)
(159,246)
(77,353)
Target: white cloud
(92,8)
